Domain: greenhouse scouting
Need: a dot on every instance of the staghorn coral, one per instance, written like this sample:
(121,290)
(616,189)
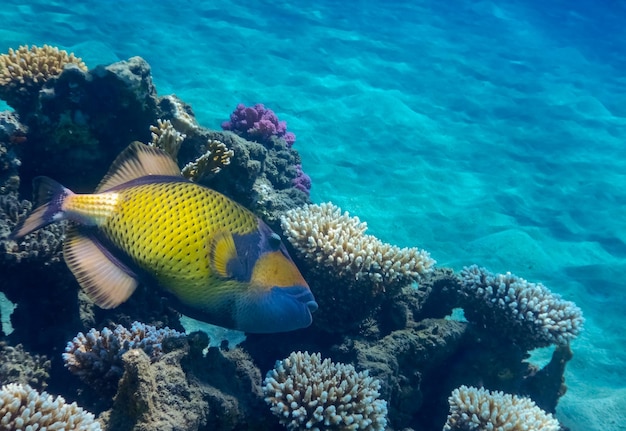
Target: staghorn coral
(210,163)
(24,71)
(524,312)
(346,265)
(23,408)
(96,357)
(19,366)
(308,393)
(473,409)
(166,137)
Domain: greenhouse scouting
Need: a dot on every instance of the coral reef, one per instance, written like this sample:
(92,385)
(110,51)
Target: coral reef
(257,123)
(22,407)
(96,357)
(524,312)
(479,409)
(306,392)
(25,70)
(382,307)
(19,366)
(337,254)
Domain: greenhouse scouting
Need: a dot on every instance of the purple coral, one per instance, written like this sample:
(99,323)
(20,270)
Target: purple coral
(258,123)
(302,181)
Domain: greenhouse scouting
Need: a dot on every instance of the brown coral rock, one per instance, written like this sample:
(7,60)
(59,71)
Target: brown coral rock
(156,396)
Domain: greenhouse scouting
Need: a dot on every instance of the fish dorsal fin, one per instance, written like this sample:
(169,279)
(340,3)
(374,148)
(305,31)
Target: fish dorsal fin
(136,161)
(222,251)
(104,279)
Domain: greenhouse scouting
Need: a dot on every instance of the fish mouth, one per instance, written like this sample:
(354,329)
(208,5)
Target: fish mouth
(279,309)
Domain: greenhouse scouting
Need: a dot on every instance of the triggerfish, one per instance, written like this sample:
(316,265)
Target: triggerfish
(145,222)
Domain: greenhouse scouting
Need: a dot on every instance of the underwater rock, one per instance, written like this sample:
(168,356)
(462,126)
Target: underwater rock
(155,396)
(83,119)
(184,390)
(406,362)
(19,366)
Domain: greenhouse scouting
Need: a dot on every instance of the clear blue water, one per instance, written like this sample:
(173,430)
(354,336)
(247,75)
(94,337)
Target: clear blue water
(485,132)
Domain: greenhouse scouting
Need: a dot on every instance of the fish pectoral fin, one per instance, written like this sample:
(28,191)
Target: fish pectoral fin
(136,161)
(222,251)
(106,280)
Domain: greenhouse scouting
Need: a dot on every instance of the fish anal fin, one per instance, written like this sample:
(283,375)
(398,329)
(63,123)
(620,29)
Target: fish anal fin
(136,161)
(222,251)
(103,278)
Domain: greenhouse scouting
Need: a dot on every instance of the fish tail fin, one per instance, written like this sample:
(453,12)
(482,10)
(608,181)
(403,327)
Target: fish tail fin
(49,198)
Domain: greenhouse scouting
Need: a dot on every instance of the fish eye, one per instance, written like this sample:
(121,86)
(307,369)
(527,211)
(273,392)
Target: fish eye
(274,241)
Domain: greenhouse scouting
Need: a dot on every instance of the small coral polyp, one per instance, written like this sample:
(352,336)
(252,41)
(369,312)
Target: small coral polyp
(308,393)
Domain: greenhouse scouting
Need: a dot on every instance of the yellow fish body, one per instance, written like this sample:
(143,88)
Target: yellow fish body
(220,262)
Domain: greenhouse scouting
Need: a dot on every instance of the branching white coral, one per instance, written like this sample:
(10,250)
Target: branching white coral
(338,242)
(307,393)
(23,408)
(526,312)
(479,409)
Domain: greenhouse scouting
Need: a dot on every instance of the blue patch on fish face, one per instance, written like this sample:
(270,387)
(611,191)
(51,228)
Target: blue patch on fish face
(276,310)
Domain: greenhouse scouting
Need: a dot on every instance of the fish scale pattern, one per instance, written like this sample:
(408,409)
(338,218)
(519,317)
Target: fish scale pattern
(168,226)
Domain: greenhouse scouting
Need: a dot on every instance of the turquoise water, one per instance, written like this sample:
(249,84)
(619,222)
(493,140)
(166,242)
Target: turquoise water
(485,132)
